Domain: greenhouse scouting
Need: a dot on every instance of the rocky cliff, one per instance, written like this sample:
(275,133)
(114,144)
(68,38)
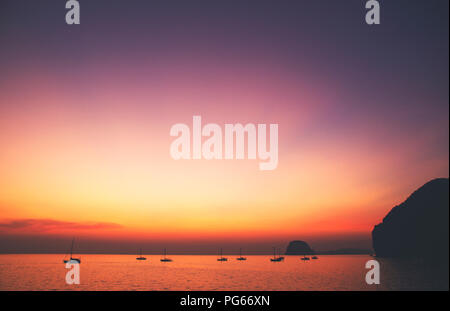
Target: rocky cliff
(418,227)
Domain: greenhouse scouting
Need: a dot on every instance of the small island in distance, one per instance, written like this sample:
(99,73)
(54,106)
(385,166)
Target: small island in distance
(299,248)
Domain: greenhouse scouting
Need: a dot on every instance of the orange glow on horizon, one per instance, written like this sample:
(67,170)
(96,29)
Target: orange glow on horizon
(105,159)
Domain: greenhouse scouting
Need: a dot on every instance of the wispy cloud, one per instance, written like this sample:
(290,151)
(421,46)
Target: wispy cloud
(51,226)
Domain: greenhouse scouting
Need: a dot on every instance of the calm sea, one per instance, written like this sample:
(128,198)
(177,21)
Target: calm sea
(124,272)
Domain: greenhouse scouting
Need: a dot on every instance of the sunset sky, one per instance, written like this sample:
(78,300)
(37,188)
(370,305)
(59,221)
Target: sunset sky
(86,110)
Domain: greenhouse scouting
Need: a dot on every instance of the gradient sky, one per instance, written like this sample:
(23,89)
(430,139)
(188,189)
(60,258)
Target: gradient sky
(85,114)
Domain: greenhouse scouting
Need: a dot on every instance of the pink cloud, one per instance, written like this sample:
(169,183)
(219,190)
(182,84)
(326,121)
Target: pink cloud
(50,225)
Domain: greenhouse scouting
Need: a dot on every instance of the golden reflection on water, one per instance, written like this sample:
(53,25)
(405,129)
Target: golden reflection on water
(186,272)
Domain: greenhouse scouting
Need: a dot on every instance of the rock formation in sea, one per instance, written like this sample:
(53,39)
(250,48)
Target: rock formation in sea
(418,227)
(299,248)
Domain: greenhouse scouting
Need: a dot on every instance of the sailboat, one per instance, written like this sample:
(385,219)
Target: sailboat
(304,258)
(165,259)
(222,258)
(140,256)
(72,259)
(240,255)
(275,257)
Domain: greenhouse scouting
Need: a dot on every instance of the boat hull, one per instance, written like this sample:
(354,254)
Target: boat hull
(73,260)
(276,259)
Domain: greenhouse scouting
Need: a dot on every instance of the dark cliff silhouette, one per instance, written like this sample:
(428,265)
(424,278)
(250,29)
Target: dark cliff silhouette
(417,227)
(299,248)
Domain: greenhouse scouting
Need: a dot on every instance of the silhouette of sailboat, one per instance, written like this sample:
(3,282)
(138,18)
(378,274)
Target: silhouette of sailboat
(165,259)
(275,257)
(222,258)
(240,255)
(140,257)
(305,258)
(72,259)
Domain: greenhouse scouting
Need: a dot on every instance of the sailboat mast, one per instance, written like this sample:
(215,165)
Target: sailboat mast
(71,247)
